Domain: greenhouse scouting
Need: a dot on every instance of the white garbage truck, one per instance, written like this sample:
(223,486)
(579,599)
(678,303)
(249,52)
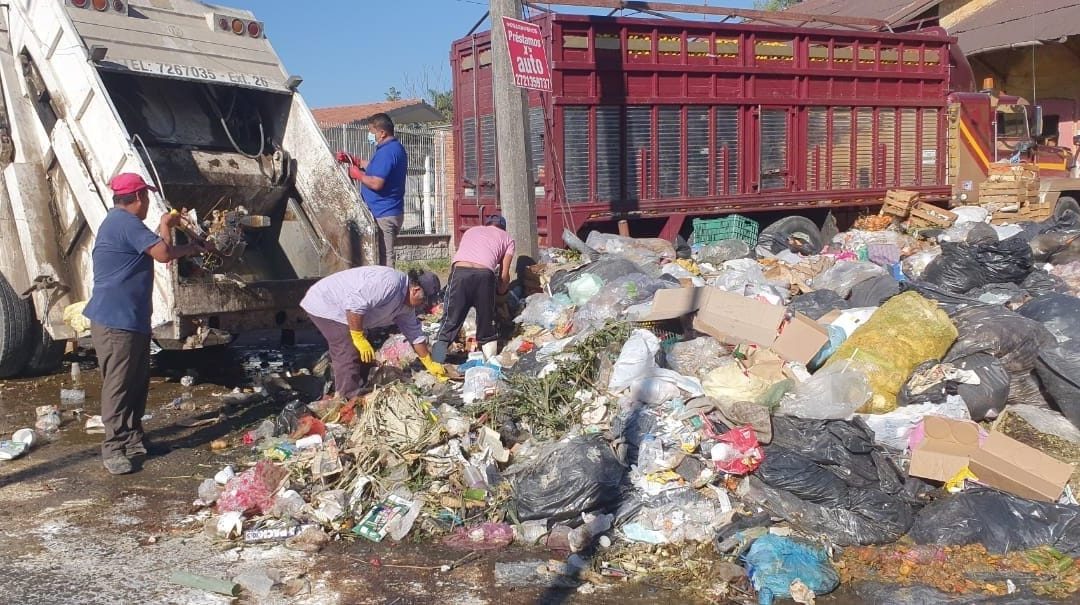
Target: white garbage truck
(193,98)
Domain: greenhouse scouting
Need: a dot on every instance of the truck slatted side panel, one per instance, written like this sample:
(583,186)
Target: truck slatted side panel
(638,151)
(817,147)
(608,153)
(841,148)
(537,136)
(697,151)
(774,149)
(887,145)
(576,148)
(929,161)
(726,125)
(470,170)
(487,154)
(670,151)
(909,143)
(864,148)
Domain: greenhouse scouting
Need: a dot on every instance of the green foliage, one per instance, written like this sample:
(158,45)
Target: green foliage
(393,94)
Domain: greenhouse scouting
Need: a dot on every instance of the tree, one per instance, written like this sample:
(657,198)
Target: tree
(774,5)
(442,101)
(431,84)
(393,94)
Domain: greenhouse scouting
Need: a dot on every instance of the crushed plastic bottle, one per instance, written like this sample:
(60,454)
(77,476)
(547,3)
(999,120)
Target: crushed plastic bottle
(48,419)
(74,394)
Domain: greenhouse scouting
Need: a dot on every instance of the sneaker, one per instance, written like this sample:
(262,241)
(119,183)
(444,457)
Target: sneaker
(118,465)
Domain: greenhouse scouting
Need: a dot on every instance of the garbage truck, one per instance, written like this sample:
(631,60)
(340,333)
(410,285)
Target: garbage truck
(192,97)
(655,120)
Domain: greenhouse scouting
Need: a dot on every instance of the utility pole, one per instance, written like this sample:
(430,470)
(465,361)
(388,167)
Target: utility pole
(512,138)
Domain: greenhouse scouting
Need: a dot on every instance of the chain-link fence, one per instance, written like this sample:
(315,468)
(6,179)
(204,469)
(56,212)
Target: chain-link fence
(428,187)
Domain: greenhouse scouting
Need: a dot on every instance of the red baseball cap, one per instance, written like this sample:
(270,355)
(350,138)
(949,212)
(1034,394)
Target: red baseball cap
(129,182)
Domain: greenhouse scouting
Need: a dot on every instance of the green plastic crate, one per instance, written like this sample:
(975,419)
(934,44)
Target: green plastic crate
(732,226)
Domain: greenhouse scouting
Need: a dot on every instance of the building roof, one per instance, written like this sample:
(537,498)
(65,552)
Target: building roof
(402,111)
(891,11)
(1008,23)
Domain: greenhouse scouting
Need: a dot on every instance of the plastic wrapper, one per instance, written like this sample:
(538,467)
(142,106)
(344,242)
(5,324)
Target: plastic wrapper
(963,267)
(697,357)
(582,289)
(1069,274)
(1000,522)
(956,233)
(723,251)
(906,331)
(1009,336)
(252,490)
(934,383)
(1058,368)
(842,277)
(479,381)
(743,275)
(484,536)
(640,250)
(831,393)
(568,478)
(673,516)
(397,351)
(894,429)
(608,268)
(1058,313)
(915,265)
(637,357)
(874,292)
(775,563)
(817,303)
(544,311)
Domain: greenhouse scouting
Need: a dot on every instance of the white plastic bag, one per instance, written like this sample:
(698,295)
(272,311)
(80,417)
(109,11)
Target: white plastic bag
(831,394)
(478,380)
(894,428)
(637,358)
(970,214)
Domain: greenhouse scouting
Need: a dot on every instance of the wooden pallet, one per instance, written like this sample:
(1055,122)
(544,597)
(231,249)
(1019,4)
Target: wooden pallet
(924,215)
(1016,172)
(1035,213)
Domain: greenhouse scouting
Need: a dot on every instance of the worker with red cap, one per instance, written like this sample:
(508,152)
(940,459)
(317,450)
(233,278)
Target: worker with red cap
(119,312)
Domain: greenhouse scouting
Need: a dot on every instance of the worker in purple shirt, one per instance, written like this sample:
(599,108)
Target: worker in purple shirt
(345,305)
(119,312)
(481,269)
(382,182)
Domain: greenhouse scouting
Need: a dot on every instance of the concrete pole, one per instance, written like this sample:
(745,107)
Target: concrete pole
(512,139)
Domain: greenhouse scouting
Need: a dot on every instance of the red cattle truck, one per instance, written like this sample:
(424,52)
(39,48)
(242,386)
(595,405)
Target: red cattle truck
(656,120)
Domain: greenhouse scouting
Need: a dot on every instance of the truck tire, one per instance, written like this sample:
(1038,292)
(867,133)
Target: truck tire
(16,323)
(1064,204)
(46,354)
(775,237)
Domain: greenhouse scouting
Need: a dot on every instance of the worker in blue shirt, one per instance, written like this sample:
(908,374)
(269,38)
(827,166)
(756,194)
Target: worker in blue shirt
(382,182)
(119,312)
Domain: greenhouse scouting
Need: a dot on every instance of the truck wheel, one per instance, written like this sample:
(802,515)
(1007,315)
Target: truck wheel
(1065,204)
(16,322)
(777,236)
(46,356)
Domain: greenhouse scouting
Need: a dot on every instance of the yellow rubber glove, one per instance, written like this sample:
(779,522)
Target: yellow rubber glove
(435,369)
(363,347)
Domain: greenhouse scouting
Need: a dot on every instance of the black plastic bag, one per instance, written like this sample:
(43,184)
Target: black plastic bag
(817,303)
(841,447)
(608,268)
(1026,389)
(1058,369)
(1040,283)
(1000,522)
(1011,337)
(567,479)
(1060,313)
(961,267)
(981,233)
(874,291)
(986,399)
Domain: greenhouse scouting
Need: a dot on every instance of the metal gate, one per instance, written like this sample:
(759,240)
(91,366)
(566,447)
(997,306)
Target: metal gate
(429,184)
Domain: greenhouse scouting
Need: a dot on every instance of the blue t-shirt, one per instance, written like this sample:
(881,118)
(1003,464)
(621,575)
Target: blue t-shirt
(123,273)
(391,164)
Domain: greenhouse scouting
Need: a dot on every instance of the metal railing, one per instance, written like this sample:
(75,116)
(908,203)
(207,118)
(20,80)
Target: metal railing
(429,184)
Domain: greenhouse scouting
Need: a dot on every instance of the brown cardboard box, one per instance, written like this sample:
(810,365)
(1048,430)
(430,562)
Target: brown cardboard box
(737,319)
(1000,462)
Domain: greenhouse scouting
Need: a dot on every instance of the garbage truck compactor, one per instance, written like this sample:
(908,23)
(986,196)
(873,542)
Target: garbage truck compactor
(192,97)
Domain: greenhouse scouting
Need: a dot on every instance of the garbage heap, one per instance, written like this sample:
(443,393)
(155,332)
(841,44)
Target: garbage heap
(896,405)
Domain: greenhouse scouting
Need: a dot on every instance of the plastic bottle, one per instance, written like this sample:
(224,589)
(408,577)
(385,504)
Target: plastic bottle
(74,394)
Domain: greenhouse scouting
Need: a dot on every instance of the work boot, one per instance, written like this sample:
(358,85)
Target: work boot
(117,465)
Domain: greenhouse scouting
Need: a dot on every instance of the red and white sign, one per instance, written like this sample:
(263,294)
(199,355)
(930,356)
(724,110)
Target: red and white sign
(528,59)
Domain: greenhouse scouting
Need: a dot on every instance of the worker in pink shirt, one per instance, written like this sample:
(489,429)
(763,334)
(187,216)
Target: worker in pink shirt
(481,268)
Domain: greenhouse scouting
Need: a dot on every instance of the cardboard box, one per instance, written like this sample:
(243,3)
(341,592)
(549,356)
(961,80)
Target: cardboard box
(1000,461)
(736,319)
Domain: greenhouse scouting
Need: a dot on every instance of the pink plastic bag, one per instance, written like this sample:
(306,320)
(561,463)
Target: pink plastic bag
(485,536)
(252,490)
(738,452)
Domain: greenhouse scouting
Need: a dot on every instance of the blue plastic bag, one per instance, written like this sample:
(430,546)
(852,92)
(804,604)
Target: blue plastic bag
(774,562)
(837,336)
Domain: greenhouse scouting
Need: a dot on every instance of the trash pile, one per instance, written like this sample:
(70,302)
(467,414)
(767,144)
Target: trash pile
(757,417)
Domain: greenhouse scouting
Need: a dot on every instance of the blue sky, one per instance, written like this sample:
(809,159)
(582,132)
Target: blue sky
(352,51)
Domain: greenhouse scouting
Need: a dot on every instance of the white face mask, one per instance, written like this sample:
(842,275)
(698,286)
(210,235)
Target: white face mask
(371,137)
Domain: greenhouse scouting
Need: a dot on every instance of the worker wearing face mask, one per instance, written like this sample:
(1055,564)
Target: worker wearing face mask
(382,182)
